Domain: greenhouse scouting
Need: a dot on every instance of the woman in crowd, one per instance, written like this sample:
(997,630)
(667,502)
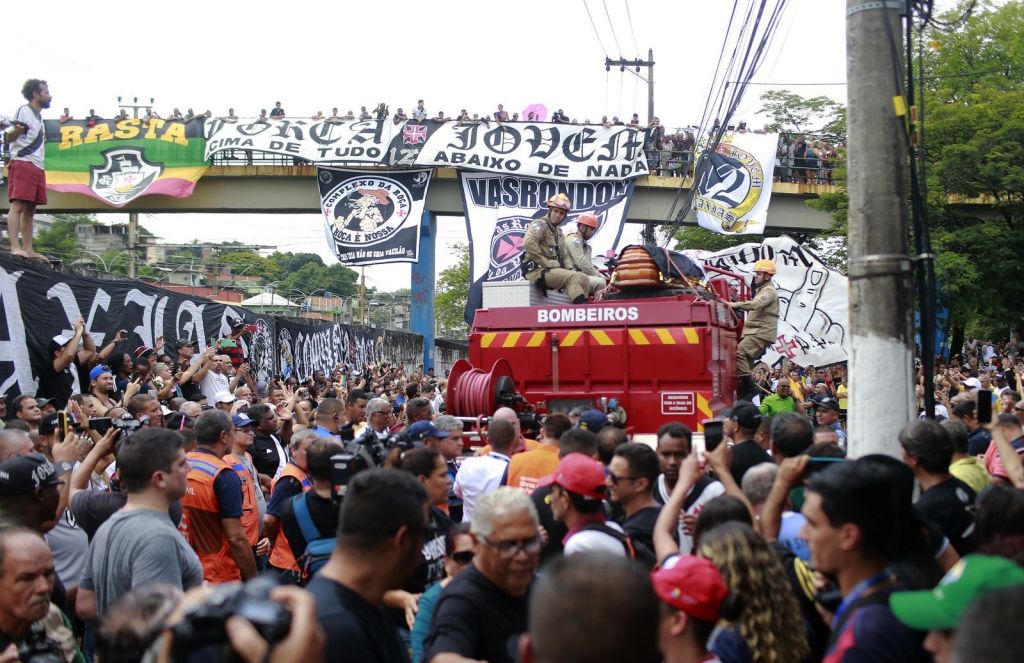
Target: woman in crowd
(458,554)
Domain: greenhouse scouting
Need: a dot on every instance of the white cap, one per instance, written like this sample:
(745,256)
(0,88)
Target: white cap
(224,397)
(973,383)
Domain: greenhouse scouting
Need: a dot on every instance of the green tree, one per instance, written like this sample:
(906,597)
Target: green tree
(250,262)
(794,113)
(59,239)
(290,262)
(698,238)
(114,261)
(452,291)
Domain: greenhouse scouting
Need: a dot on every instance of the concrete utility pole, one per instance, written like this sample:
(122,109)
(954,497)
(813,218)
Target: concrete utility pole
(133,231)
(649,63)
(881,302)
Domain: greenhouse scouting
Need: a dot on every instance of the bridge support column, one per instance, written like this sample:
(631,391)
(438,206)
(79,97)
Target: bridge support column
(422,287)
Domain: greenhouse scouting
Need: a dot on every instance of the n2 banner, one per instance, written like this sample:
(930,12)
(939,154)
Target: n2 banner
(813,299)
(734,188)
(559,151)
(305,349)
(372,217)
(499,210)
(39,305)
(116,161)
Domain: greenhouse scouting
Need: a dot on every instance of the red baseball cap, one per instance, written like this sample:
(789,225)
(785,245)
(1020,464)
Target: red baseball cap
(579,474)
(692,585)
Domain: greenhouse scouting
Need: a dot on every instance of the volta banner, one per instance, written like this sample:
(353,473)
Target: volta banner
(734,188)
(499,209)
(559,151)
(372,217)
(813,299)
(116,161)
(304,349)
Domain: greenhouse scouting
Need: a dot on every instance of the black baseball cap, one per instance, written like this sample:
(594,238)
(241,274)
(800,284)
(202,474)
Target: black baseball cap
(746,414)
(184,343)
(48,423)
(24,475)
(828,403)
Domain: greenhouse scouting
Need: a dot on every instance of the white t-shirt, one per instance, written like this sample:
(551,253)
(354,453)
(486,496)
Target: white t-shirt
(31,145)
(212,383)
(478,476)
(710,492)
(590,540)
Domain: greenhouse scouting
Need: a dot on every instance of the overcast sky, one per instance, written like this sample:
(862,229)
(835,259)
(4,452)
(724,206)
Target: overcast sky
(314,55)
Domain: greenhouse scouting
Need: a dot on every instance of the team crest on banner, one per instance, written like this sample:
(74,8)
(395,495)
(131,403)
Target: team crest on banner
(124,176)
(372,218)
(499,209)
(733,191)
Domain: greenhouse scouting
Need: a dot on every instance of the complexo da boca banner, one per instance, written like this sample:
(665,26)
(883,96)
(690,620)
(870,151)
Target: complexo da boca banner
(499,210)
(735,186)
(305,349)
(813,299)
(372,217)
(39,305)
(116,161)
(561,151)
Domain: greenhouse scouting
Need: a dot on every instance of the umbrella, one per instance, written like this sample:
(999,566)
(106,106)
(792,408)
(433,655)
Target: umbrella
(540,112)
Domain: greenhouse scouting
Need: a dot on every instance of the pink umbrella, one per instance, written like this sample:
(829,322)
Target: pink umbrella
(540,113)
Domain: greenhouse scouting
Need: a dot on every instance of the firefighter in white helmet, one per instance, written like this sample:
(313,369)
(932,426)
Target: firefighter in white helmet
(582,255)
(546,256)
(760,329)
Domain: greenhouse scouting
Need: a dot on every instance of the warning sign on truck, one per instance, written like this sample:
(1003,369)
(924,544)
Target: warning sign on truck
(677,402)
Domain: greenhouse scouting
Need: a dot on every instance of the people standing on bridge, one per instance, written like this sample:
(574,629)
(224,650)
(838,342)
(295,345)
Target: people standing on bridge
(582,253)
(547,260)
(26,178)
(760,329)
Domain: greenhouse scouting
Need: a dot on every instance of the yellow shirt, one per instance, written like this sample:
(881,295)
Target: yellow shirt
(842,393)
(971,472)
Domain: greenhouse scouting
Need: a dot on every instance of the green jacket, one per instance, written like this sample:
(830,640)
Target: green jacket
(775,404)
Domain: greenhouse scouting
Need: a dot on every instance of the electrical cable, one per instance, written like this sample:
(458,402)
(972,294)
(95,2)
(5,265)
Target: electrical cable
(594,25)
(609,17)
(631,30)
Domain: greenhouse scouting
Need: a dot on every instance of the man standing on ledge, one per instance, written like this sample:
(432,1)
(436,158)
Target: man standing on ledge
(27,185)
(546,258)
(760,328)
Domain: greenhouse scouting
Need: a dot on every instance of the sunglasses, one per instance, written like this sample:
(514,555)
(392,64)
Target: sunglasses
(509,549)
(463,557)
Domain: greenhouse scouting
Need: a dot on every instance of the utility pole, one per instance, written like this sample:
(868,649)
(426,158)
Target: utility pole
(362,295)
(135,105)
(881,303)
(635,65)
(133,231)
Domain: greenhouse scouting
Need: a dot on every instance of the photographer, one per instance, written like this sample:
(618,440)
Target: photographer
(292,481)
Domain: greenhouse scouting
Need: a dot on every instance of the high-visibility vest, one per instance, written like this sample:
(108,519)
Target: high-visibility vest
(282,557)
(200,518)
(250,509)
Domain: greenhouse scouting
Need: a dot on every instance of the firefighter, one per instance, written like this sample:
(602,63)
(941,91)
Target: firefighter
(579,249)
(547,260)
(761,326)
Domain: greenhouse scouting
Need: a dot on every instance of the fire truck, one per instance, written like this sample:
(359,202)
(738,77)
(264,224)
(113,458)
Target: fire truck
(665,351)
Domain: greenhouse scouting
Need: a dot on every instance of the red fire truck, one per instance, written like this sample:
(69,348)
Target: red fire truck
(665,354)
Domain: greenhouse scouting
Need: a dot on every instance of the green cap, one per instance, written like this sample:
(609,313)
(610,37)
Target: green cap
(940,609)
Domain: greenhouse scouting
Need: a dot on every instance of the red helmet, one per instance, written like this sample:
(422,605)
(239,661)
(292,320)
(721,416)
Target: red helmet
(560,201)
(588,220)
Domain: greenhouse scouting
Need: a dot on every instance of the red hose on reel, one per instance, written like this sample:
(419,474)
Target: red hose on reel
(473,392)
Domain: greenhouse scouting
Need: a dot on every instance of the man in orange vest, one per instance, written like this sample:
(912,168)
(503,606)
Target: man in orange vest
(253,506)
(292,481)
(211,519)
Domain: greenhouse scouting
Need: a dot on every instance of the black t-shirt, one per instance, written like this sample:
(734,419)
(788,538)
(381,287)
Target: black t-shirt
(356,630)
(264,455)
(321,511)
(556,529)
(640,527)
(58,386)
(475,619)
(745,455)
(431,568)
(946,504)
(92,508)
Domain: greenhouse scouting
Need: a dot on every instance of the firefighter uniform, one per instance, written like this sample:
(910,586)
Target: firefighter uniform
(546,259)
(201,521)
(281,556)
(581,254)
(760,329)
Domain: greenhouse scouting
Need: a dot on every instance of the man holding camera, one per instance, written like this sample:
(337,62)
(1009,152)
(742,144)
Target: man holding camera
(318,503)
(292,481)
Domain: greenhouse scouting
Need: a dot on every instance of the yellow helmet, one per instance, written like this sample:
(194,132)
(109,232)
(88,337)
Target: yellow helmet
(765,265)
(561,201)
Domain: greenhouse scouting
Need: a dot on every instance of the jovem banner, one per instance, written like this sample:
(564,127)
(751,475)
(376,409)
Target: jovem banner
(116,161)
(303,349)
(813,299)
(558,151)
(735,186)
(499,210)
(372,217)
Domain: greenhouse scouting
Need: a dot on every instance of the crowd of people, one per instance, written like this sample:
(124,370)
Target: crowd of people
(141,485)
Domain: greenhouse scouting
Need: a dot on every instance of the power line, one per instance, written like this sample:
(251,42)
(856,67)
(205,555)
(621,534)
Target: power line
(609,17)
(631,30)
(594,25)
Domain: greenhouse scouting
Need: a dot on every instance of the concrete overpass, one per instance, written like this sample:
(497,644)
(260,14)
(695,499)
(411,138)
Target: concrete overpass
(239,189)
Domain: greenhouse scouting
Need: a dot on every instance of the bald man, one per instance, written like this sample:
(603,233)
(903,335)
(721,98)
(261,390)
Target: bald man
(521,443)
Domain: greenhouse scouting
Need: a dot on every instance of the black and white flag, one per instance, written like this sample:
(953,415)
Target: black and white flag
(372,217)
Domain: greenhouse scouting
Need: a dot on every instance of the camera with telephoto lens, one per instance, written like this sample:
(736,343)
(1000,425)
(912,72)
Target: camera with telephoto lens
(37,648)
(126,423)
(203,624)
(366,452)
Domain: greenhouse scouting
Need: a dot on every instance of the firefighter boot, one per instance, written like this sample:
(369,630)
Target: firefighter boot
(745,388)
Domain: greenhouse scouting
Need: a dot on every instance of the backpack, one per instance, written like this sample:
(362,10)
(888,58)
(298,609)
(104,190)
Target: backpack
(635,551)
(318,548)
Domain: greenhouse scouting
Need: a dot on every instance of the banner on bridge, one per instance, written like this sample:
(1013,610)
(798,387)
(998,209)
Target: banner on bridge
(734,189)
(499,209)
(116,161)
(558,151)
(373,217)
(813,299)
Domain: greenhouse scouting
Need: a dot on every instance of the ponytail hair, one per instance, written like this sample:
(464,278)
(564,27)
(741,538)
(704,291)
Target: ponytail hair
(421,461)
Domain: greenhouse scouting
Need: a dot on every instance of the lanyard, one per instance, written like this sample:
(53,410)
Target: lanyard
(856,594)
